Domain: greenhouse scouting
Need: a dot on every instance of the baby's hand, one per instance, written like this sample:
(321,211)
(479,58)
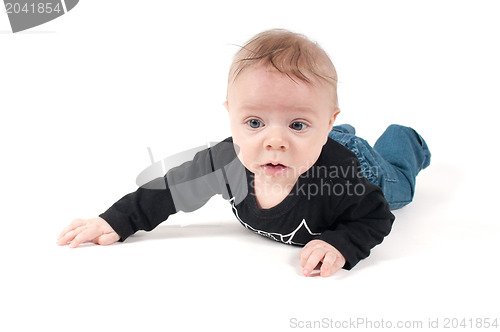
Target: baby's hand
(318,251)
(95,230)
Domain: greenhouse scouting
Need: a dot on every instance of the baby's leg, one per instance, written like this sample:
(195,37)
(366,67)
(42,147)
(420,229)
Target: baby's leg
(394,162)
(407,154)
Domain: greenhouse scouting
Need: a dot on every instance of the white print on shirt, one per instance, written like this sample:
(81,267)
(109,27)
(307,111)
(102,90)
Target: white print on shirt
(275,236)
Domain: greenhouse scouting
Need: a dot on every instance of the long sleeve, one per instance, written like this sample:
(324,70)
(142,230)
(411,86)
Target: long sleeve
(362,222)
(143,209)
(186,187)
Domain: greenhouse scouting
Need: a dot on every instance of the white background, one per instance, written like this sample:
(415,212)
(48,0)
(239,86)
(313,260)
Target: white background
(83,96)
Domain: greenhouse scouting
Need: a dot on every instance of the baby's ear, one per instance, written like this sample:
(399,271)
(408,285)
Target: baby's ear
(226,105)
(336,112)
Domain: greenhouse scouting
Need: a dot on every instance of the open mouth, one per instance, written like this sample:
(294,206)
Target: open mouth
(275,165)
(274,168)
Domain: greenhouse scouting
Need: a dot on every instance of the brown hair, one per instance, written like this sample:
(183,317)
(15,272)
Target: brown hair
(290,53)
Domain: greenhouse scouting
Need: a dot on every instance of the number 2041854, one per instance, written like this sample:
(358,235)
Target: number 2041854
(477,323)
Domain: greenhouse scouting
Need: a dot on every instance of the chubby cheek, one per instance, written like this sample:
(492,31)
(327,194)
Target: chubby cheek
(243,152)
(310,156)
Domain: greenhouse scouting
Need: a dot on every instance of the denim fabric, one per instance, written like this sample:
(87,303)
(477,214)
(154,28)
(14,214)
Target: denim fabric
(392,164)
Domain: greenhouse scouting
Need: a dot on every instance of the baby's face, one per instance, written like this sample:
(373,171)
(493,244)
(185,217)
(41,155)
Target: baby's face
(280,126)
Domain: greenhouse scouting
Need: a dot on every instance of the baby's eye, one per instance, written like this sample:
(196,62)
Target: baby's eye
(254,123)
(298,126)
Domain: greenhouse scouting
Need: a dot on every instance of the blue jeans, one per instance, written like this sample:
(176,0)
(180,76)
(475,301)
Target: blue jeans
(392,164)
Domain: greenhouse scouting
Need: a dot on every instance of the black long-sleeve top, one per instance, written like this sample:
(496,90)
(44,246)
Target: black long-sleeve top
(332,201)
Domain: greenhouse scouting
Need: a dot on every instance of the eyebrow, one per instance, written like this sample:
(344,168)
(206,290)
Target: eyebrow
(297,108)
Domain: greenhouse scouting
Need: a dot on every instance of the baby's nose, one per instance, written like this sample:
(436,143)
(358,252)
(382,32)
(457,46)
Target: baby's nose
(276,140)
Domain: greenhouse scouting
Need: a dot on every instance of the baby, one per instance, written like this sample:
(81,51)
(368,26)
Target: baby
(287,172)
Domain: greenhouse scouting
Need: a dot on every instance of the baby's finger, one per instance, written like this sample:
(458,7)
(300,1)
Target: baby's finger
(73,225)
(313,260)
(107,239)
(329,267)
(69,236)
(304,255)
(86,236)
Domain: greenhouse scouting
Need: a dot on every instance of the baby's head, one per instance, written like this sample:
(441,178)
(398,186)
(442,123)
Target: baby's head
(282,102)
(290,53)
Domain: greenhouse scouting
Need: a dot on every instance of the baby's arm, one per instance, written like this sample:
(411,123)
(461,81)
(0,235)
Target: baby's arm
(95,230)
(193,183)
(318,251)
